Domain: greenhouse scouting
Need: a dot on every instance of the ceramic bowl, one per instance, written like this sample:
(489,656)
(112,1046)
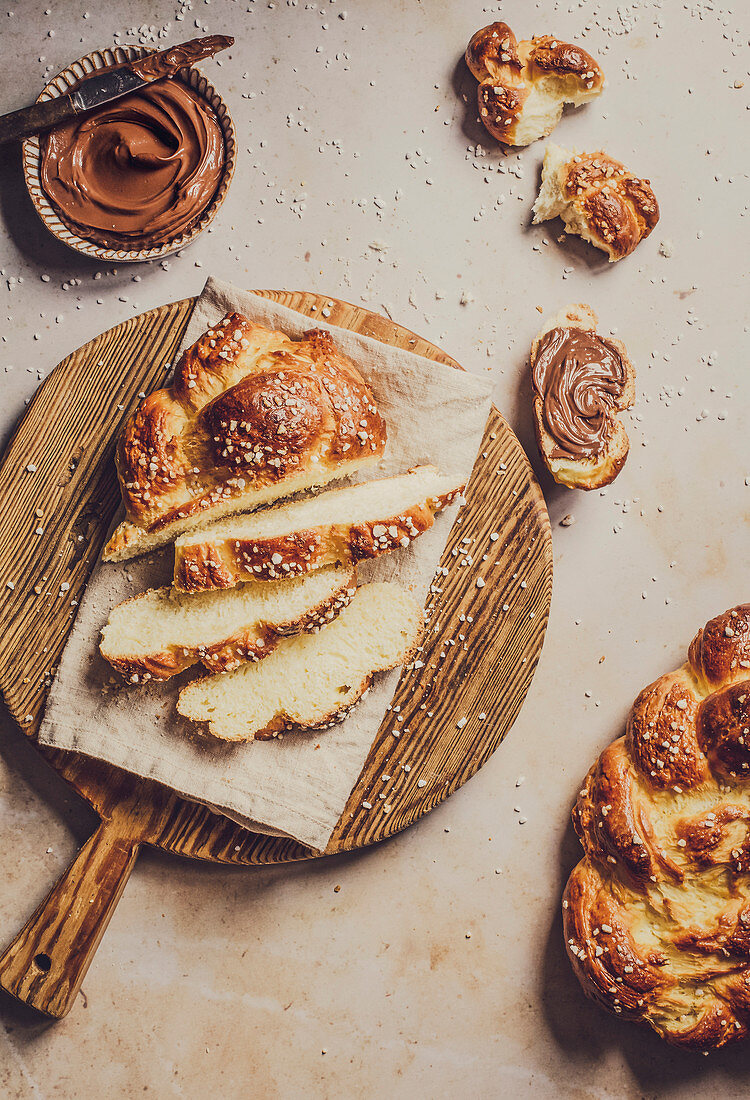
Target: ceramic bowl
(60,85)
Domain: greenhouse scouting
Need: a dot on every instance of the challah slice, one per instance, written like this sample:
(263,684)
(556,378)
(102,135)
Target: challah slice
(597,198)
(161,632)
(312,680)
(340,525)
(581,381)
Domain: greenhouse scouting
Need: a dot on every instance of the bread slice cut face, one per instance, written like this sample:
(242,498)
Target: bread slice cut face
(161,632)
(340,525)
(312,680)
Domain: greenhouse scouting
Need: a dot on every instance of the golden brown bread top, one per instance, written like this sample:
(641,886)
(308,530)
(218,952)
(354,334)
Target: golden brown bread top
(490,49)
(248,408)
(620,209)
(507,70)
(657,914)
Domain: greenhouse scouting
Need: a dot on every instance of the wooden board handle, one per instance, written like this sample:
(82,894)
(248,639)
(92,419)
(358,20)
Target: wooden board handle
(48,960)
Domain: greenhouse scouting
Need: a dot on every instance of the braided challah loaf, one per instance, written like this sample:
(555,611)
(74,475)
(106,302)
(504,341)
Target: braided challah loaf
(251,416)
(523,85)
(597,198)
(657,914)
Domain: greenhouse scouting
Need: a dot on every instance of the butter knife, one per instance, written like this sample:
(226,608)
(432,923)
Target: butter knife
(107,85)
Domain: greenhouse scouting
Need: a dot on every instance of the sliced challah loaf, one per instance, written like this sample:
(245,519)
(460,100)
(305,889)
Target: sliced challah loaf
(340,525)
(161,632)
(250,417)
(311,680)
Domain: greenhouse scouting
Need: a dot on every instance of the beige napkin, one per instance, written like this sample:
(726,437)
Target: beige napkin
(434,414)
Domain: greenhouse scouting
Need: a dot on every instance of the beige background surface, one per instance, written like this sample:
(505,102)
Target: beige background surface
(437,968)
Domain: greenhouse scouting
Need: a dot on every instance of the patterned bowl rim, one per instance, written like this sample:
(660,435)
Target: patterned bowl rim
(60,85)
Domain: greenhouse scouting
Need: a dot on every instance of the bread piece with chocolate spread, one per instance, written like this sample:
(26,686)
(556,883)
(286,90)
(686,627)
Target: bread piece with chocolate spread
(581,381)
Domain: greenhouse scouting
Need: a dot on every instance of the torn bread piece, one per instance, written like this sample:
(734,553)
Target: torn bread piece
(161,632)
(580,382)
(597,198)
(340,525)
(312,680)
(523,86)
(252,416)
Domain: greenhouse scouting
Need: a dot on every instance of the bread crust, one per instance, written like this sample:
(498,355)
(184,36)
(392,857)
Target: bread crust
(657,914)
(252,643)
(600,470)
(208,564)
(251,416)
(508,71)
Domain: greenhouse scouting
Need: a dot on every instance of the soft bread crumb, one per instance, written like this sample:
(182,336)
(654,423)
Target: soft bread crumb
(550,202)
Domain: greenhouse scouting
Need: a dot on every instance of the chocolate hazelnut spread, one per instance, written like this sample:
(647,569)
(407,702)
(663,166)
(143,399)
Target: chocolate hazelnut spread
(138,171)
(579,377)
(167,62)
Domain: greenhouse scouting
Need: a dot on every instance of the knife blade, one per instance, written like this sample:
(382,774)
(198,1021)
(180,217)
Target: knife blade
(108,85)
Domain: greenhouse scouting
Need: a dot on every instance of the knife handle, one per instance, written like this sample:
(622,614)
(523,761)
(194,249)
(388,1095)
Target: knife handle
(34,119)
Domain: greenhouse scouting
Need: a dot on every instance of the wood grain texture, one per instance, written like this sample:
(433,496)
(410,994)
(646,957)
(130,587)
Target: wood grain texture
(478,658)
(48,960)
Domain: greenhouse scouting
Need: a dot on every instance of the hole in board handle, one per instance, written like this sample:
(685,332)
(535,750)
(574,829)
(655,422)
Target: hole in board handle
(43,962)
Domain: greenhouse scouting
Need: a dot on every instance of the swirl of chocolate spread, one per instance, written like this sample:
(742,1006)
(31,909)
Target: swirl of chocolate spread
(580,377)
(138,171)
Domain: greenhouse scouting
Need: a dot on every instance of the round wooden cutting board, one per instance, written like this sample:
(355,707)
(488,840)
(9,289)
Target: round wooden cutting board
(61,460)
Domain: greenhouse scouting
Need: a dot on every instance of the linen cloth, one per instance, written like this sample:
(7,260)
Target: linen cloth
(288,787)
